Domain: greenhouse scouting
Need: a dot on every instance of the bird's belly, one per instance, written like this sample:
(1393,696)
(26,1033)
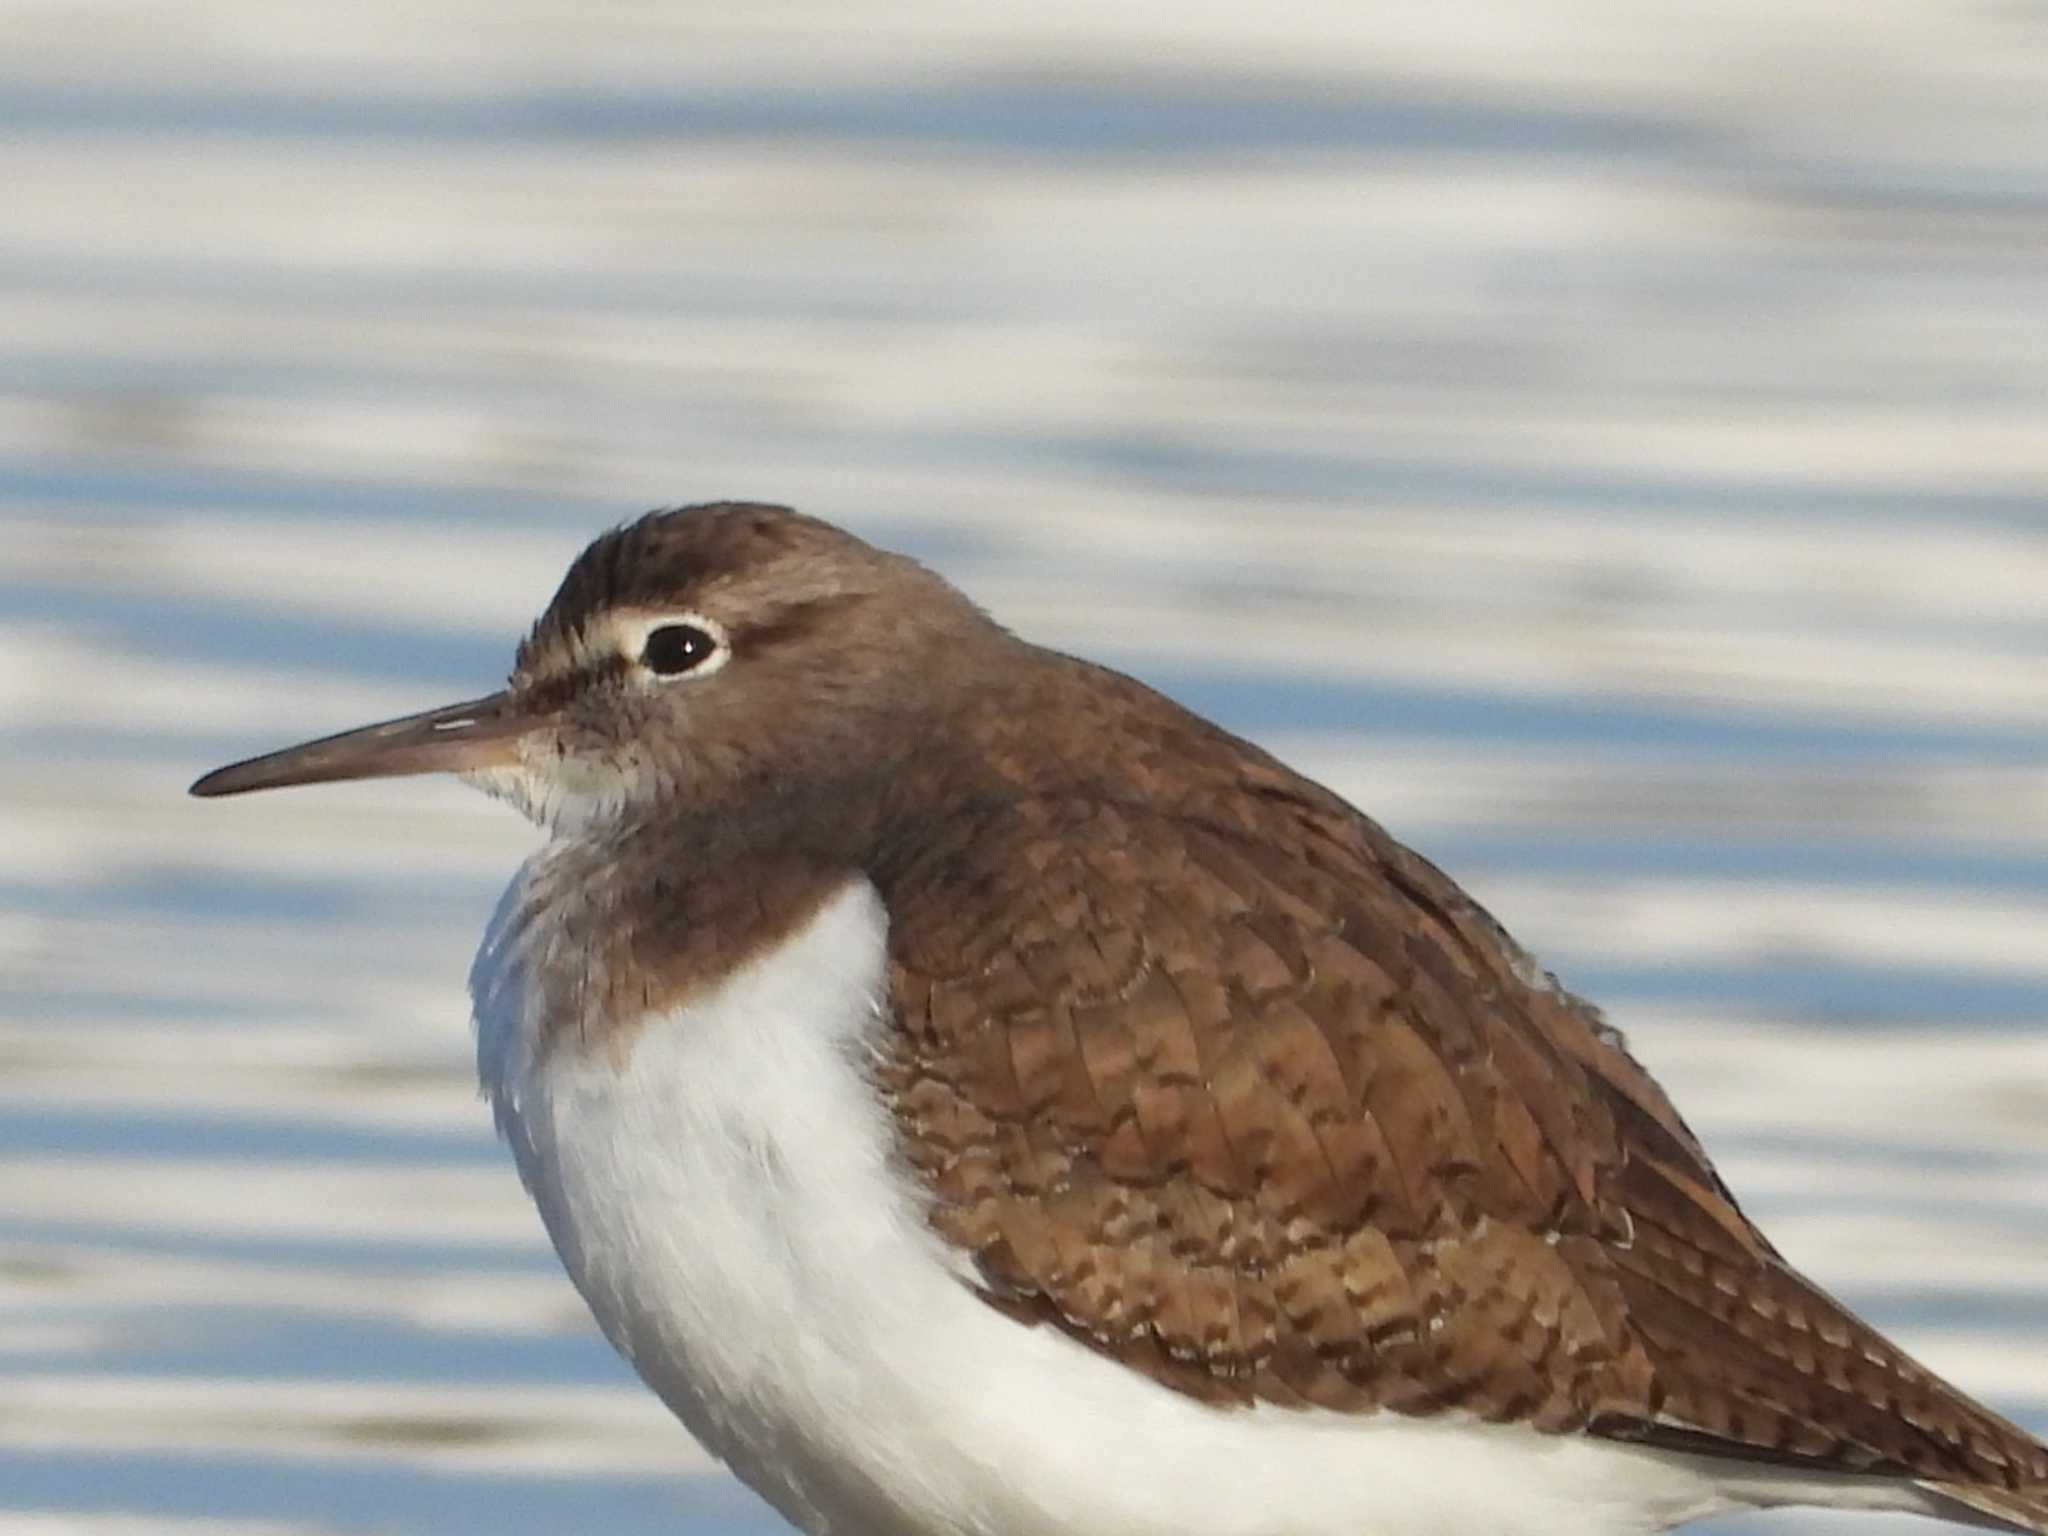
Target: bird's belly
(719,1181)
(722,1189)
(709,1265)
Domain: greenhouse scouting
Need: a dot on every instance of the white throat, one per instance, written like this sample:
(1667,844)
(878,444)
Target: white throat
(547,798)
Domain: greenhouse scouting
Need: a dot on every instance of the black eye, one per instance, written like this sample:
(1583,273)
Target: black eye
(675,649)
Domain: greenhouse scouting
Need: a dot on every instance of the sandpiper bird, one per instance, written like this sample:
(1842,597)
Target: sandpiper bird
(981,1097)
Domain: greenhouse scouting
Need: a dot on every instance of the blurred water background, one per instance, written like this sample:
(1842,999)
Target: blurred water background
(1605,440)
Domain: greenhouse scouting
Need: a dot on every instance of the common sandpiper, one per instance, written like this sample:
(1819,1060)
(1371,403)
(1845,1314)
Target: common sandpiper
(983,1098)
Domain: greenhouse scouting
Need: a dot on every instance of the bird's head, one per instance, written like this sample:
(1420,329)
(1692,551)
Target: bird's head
(715,655)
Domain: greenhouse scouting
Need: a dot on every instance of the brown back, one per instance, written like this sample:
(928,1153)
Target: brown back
(1204,1068)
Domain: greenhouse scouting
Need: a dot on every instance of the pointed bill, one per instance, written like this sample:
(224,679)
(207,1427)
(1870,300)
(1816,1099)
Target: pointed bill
(457,738)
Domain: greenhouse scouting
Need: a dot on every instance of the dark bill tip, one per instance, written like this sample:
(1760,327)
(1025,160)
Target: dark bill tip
(456,738)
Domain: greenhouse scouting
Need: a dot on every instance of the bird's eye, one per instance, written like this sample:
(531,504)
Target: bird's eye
(670,650)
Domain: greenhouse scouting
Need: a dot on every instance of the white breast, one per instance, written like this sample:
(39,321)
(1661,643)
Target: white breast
(726,1200)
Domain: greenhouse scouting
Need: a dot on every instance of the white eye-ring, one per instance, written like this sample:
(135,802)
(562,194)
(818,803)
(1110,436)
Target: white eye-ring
(681,645)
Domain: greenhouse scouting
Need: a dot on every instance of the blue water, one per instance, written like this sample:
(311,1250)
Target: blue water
(1063,313)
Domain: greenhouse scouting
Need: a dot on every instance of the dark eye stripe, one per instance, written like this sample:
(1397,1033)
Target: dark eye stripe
(674,649)
(797,620)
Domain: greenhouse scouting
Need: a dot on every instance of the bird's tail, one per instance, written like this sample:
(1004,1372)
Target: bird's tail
(1998,1509)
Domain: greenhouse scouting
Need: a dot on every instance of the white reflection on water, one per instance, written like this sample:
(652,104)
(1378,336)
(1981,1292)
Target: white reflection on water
(1619,468)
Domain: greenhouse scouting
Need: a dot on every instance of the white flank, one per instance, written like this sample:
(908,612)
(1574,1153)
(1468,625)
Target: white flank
(726,1199)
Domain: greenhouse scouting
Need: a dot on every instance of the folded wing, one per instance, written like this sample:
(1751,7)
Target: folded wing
(1269,1110)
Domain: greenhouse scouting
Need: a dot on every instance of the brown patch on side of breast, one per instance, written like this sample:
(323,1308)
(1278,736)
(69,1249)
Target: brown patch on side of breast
(613,934)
